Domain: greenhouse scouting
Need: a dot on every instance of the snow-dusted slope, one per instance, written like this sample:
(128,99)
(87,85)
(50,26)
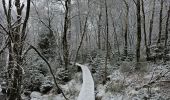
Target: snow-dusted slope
(87,89)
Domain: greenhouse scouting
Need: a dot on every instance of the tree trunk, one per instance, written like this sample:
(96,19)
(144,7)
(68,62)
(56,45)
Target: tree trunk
(160,23)
(144,30)
(107,43)
(166,29)
(17,36)
(126,29)
(66,31)
(138,31)
(151,25)
(16,52)
(99,27)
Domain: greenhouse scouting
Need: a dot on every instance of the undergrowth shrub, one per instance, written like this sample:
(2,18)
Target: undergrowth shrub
(141,67)
(115,87)
(126,67)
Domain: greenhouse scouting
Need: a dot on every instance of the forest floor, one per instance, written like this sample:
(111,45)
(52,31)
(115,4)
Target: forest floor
(152,82)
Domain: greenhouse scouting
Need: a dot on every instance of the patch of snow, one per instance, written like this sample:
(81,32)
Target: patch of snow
(36,96)
(110,96)
(101,90)
(116,75)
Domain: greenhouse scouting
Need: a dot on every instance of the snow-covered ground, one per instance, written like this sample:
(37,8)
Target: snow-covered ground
(38,96)
(133,86)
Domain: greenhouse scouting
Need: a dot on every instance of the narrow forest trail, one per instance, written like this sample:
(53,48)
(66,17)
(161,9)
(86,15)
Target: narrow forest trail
(87,89)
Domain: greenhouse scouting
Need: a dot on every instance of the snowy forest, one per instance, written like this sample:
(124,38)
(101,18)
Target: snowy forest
(84,49)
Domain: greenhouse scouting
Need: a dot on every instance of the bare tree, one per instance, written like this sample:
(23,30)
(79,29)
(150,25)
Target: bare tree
(17,35)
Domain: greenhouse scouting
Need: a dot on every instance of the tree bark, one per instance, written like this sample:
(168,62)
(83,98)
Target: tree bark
(138,45)
(99,27)
(151,25)
(144,30)
(15,47)
(65,34)
(126,29)
(166,28)
(160,23)
(107,43)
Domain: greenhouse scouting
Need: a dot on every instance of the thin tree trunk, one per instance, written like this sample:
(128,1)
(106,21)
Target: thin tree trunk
(107,43)
(160,23)
(166,28)
(138,45)
(64,39)
(116,38)
(82,38)
(151,25)
(144,30)
(80,22)
(126,29)
(99,28)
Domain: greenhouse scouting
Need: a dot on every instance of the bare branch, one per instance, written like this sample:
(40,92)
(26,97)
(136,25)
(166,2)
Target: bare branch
(50,68)
(25,52)
(4,7)
(26,19)
(135,2)
(3,28)
(40,18)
